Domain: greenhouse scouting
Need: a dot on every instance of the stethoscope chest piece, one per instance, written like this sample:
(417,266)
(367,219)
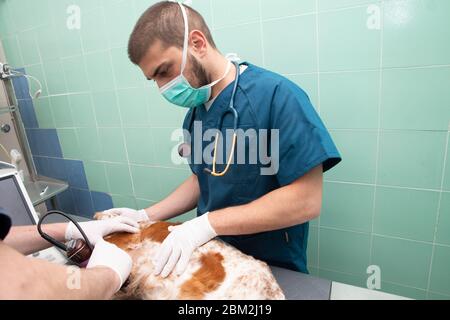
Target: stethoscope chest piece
(184,150)
(78,251)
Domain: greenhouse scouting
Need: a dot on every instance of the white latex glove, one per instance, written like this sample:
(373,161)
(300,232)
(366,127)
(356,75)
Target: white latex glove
(178,247)
(96,230)
(110,256)
(136,215)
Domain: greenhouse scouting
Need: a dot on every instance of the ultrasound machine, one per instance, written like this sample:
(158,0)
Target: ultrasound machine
(15,202)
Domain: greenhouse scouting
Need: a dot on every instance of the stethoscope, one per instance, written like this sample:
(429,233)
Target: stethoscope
(78,251)
(184,149)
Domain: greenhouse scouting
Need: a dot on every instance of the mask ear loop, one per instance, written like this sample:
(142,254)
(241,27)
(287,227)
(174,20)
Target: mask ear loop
(186,37)
(186,45)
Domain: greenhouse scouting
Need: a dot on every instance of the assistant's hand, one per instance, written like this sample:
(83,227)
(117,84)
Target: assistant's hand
(136,215)
(178,247)
(96,230)
(110,256)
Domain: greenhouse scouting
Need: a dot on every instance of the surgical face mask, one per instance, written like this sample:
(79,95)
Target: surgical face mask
(179,91)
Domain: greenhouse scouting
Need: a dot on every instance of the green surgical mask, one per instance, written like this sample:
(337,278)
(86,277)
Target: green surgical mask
(179,91)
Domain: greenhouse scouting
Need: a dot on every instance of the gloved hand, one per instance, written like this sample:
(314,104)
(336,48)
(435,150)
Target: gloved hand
(110,256)
(96,230)
(136,215)
(178,247)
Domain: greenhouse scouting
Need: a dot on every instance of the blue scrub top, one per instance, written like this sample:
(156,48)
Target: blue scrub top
(264,100)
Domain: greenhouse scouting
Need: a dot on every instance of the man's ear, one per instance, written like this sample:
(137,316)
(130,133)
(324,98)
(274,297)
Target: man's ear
(198,43)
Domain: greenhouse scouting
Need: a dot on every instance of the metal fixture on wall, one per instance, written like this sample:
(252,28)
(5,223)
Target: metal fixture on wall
(6,75)
(39,188)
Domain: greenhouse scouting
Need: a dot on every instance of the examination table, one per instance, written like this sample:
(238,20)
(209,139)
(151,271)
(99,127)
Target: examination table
(299,286)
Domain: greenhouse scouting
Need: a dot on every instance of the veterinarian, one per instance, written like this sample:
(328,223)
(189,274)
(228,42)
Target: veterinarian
(265,216)
(25,278)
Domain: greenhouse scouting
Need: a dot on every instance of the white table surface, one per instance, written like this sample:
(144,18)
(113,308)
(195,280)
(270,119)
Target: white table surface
(340,291)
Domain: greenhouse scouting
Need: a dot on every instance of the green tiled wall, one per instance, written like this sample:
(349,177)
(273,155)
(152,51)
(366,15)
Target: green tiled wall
(383,93)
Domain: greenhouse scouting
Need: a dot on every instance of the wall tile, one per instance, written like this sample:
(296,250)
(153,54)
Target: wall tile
(409,24)
(351,279)
(164,148)
(43,113)
(403,291)
(29,47)
(93,31)
(119,179)
(285,8)
(76,176)
(82,110)
(346,42)
(302,53)
(96,176)
(101,201)
(106,109)
(66,203)
(161,113)
(406,213)
(347,206)
(47,39)
(244,45)
(54,77)
(171,179)
(446,185)
(344,251)
(313,247)
(440,277)
(69,143)
(443,228)
(112,144)
(120,201)
(413,266)
(411,159)
(27,113)
(75,74)
(406,92)
(247,12)
(146,182)
(140,145)
(61,111)
(119,22)
(133,104)
(83,202)
(99,71)
(358,149)
(89,144)
(126,73)
(339,4)
(350,100)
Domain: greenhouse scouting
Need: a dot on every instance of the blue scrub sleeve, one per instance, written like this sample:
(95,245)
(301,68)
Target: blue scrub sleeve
(304,142)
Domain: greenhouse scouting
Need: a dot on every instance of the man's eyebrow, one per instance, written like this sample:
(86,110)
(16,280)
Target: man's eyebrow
(157,71)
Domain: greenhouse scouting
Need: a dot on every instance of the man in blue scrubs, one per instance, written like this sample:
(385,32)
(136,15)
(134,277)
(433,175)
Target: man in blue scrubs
(264,215)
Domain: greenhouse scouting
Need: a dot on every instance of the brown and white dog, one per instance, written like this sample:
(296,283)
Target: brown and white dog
(216,271)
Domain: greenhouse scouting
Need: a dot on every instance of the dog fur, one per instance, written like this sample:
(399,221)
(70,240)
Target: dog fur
(216,271)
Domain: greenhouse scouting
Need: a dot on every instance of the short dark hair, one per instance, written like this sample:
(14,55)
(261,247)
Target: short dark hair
(164,21)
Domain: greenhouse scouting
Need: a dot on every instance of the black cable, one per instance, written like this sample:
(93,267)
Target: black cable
(55,242)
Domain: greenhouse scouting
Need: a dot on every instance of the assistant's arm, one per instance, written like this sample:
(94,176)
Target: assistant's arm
(27,240)
(26,278)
